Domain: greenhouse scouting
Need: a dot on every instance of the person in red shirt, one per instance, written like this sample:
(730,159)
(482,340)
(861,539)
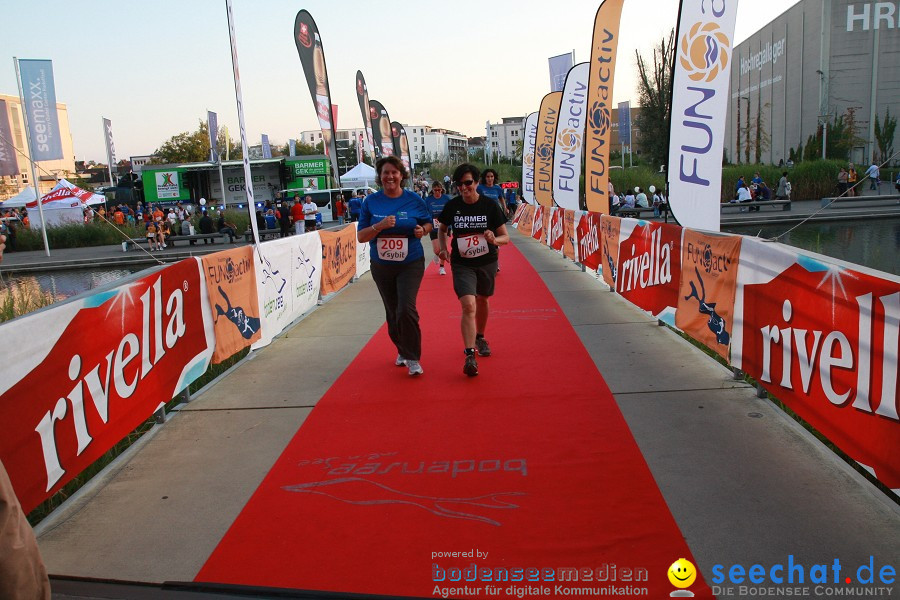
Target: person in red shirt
(339,208)
(297,216)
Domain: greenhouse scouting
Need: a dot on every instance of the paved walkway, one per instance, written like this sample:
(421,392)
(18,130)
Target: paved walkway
(746,484)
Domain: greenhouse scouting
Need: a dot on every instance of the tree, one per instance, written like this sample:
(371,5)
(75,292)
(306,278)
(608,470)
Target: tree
(187,147)
(763,139)
(654,98)
(884,135)
(302,149)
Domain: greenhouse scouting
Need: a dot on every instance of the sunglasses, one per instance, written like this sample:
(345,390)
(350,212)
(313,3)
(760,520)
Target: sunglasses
(465,183)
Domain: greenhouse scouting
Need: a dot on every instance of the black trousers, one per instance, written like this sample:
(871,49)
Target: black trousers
(398,285)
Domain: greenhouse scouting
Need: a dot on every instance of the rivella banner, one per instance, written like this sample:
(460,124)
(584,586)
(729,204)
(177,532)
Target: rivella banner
(528,158)
(545,141)
(570,138)
(67,397)
(822,336)
(381,129)
(287,282)
(362,96)
(699,107)
(40,109)
(600,97)
(648,266)
(231,281)
(312,57)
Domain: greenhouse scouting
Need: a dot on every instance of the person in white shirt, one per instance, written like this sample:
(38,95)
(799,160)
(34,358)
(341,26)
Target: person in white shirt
(309,213)
(743,195)
(874,176)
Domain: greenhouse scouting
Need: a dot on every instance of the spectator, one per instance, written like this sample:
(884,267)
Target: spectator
(874,175)
(852,177)
(842,181)
(271,221)
(657,201)
(743,195)
(22,571)
(355,204)
(206,226)
(310,211)
(260,221)
(897,182)
(152,235)
(226,228)
(784,187)
(297,216)
(172,218)
(629,200)
(284,219)
(164,230)
(641,199)
(339,208)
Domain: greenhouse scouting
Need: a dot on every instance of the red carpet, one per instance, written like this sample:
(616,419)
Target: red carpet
(530,463)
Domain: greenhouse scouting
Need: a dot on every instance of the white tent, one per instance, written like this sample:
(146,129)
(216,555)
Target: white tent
(64,204)
(360,175)
(19,200)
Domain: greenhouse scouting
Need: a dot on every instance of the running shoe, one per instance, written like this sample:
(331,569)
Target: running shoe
(400,362)
(414,368)
(442,271)
(470,368)
(436,259)
(482,346)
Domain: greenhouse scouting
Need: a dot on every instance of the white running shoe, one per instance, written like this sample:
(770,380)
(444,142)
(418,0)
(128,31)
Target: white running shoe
(435,260)
(414,367)
(442,271)
(400,362)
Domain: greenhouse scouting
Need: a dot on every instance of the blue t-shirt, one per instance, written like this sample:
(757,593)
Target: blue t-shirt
(410,211)
(436,204)
(354,205)
(494,192)
(271,223)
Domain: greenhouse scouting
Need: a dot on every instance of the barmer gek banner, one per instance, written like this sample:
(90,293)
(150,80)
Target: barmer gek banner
(40,108)
(703,50)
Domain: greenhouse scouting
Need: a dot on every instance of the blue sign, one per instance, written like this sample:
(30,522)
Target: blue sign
(625,123)
(40,109)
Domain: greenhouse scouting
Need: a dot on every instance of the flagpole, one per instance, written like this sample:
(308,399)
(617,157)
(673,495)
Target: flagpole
(217,155)
(34,179)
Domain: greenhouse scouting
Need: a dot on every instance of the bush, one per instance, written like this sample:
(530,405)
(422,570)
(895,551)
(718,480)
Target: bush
(810,180)
(76,235)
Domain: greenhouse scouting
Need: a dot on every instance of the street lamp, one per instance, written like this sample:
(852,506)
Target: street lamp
(823,109)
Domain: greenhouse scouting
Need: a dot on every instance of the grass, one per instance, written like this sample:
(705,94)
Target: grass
(17,299)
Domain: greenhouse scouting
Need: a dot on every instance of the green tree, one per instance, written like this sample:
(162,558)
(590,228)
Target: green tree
(884,135)
(654,98)
(302,149)
(763,139)
(189,147)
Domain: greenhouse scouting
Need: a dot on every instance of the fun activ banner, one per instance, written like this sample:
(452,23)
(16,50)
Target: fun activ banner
(381,128)
(570,139)
(8,164)
(822,336)
(556,232)
(569,242)
(233,300)
(83,374)
(545,141)
(362,96)
(528,157)
(39,104)
(588,235)
(338,258)
(709,266)
(648,268)
(600,96)
(699,107)
(312,57)
(609,248)
(287,283)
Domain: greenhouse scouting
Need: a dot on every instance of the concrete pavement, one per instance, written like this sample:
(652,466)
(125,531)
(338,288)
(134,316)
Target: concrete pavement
(745,483)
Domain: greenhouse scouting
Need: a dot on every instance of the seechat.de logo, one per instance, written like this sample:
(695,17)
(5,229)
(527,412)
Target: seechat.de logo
(568,139)
(704,51)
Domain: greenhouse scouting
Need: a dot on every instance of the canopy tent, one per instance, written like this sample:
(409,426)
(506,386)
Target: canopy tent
(360,175)
(19,200)
(64,204)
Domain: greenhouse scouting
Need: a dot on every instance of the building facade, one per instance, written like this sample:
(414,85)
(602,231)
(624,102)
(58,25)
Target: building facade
(504,138)
(819,60)
(434,144)
(48,170)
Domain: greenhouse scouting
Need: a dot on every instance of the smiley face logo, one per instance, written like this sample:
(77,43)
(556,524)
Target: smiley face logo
(682,573)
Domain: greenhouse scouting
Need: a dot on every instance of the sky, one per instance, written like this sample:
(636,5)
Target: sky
(156,69)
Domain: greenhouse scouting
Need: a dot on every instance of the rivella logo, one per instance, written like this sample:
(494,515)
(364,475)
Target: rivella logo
(303,36)
(704,52)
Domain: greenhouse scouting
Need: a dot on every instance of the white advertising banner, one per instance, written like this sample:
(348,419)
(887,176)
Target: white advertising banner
(699,105)
(570,138)
(288,282)
(528,158)
(363,260)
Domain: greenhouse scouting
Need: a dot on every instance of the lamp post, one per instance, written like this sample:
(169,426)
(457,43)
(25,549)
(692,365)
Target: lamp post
(823,109)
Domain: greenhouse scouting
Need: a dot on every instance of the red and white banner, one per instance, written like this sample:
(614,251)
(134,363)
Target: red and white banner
(588,236)
(822,336)
(649,266)
(705,311)
(537,227)
(703,55)
(94,369)
(287,282)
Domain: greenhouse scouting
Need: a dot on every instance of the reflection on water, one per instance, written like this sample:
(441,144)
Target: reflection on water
(873,243)
(65,284)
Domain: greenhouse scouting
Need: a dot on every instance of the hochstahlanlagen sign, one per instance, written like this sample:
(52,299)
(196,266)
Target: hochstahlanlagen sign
(699,103)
